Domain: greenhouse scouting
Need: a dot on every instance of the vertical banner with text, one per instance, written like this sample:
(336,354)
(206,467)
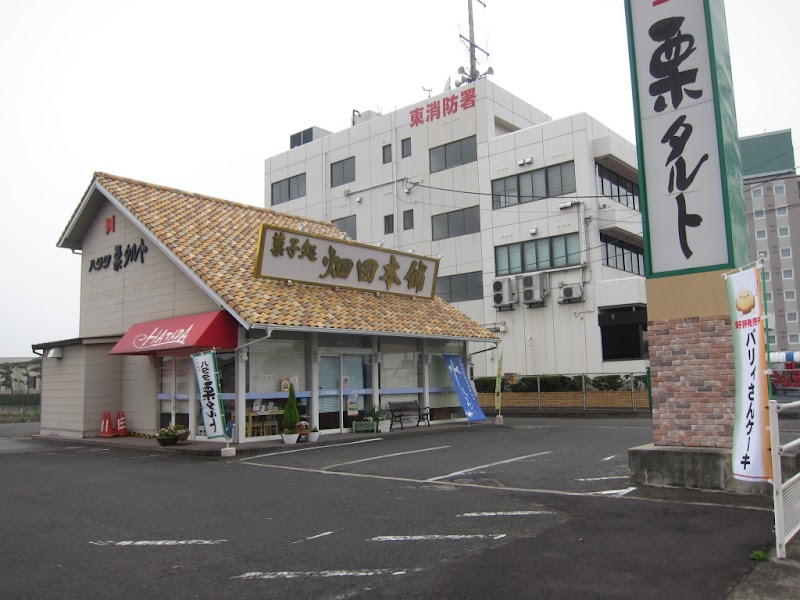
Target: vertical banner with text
(205,367)
(498,386)
(751,450)
(689,162)
(458,374)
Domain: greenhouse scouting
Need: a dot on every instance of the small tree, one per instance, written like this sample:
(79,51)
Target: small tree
(290,414)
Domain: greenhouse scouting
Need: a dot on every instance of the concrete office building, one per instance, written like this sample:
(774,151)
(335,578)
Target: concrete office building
(772,195)
(536,220)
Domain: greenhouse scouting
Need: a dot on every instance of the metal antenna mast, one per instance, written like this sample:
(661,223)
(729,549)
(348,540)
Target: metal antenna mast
(472,74)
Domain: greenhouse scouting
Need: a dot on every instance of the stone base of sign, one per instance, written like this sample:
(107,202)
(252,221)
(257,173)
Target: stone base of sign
(227,452)
(498,420)
(699,468)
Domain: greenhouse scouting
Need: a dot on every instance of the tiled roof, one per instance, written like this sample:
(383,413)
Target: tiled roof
(218,240)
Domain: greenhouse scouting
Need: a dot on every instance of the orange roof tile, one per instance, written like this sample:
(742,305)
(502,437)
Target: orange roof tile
(218,240)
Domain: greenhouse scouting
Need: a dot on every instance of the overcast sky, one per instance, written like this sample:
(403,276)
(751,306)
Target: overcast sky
(196,94)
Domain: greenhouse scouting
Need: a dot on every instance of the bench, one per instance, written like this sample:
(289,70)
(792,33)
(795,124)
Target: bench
(408,409)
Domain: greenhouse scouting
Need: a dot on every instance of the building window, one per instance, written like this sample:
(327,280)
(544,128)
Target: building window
(458,288)
(772,340)
(622,255)
(343,171)
(767,297)
(758,213)
(460,152)
(767,275)
(779,190)
(348,225)
(788,273)
(786,252)
(408,219)
(789,295)
(783,232)
(791,317)
(405,148)
(780,211)
(624,332)
(289,189)
(549,182)
(387,153)
(757,193)
(794,338)
(456,223)
(617,187)
(538,255)
(761,234)
(388,224)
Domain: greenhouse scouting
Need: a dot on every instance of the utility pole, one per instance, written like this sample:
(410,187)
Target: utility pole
(472,74)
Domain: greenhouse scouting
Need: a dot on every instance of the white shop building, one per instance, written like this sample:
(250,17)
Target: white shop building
(167,273)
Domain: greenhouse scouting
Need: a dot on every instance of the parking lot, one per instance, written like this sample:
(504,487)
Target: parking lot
(535,508)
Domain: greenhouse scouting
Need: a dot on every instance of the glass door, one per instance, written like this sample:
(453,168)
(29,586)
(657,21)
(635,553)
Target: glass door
(345,389)
(330,393)
(174,383)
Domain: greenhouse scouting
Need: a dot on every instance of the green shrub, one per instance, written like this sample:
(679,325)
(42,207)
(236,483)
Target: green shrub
(485,385)
(608,383)
(291,416)
(20,399)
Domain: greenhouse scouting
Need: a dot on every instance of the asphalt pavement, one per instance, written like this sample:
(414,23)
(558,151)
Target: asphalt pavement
(534,508)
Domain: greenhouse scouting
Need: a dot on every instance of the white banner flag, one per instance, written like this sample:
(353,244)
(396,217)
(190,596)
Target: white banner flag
(751,455)
(205,367)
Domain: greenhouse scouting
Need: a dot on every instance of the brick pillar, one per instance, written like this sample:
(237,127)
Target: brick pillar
(691,361)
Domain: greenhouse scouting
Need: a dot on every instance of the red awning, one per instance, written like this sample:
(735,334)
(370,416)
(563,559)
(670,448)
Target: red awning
(207,330)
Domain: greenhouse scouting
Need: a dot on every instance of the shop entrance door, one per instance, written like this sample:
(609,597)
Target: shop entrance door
(174,388)
(345,389)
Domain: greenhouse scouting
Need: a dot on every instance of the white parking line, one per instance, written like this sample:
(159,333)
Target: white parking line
(603,478)
(319,574)
(381,457)
(326,447)
(314,537)
(434,538)
(615,493)
(160,543)
(502,462)
(610,457)
(513,513)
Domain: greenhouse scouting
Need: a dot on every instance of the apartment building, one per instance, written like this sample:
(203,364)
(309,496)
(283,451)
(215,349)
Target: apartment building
(534,221)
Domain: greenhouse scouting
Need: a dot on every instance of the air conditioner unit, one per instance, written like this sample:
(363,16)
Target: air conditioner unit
(532,289)
(571,293)
(504,295)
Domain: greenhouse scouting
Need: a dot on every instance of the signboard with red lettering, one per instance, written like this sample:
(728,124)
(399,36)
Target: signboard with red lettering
(689,163)
(293,255)
(436,108)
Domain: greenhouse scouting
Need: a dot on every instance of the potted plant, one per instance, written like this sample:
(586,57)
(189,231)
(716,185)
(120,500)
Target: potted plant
(313,435)
(166,436)
(290,418)
(182,432)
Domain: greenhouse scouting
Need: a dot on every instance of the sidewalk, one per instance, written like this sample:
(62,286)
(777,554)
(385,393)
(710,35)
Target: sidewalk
(772,580)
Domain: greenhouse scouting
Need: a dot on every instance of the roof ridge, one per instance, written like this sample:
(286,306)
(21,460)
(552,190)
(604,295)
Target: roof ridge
(101,174)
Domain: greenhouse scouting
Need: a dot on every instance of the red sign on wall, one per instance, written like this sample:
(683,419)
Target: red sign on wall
(449,105)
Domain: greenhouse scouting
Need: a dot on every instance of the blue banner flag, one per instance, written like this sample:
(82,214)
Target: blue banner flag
(466,394)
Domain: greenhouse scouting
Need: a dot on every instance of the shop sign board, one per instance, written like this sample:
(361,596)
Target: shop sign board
(689,162)
(292,255)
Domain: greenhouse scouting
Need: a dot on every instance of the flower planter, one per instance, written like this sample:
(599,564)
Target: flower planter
(312,436)
(384,426)
(167,441)
(182,437)
(365,426)
(290,438)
